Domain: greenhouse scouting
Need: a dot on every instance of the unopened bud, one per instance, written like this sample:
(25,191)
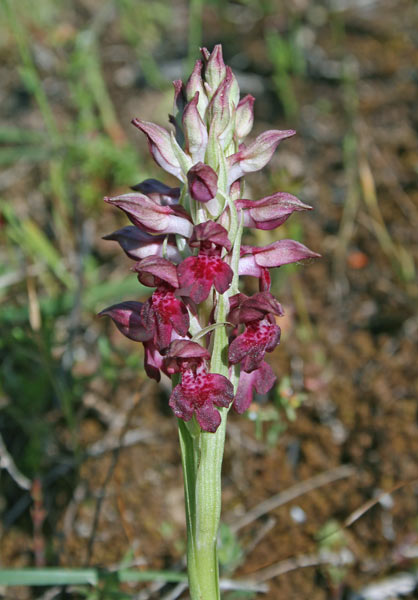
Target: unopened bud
(244,118)
(215,67)
(203,182)
(195,131)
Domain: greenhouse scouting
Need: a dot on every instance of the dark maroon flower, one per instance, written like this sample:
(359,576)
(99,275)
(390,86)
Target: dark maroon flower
(162,314)
(203,182)
(210,236)
(127,318)
(249,348)
(154,271)
(158,191)
(138,244)
(244,309)
(198,273)
(153,361)
(199,391)
(261,380)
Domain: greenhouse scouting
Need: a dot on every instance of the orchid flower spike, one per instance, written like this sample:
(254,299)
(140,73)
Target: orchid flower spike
(196,326)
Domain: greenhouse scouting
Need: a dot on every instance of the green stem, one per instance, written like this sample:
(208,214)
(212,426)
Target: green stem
(202,455)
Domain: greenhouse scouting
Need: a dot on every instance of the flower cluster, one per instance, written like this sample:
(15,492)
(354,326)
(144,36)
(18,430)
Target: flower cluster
(186,243)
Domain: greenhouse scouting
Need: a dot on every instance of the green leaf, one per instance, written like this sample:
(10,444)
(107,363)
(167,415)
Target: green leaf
(50,576)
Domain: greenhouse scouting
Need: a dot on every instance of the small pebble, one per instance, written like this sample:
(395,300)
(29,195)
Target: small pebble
(297,514)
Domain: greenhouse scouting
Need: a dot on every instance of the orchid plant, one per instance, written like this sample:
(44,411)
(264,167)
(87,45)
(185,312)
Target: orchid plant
(197,327)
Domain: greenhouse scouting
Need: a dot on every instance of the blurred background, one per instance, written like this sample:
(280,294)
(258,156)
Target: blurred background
(90,465)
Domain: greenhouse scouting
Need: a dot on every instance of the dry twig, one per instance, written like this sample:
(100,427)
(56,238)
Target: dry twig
(293,492)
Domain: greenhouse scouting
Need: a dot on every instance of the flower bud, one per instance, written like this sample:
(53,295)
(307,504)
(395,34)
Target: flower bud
(154,270)
(221,109)
(283,252)
(138,244)
(150,216)
(244,117)
(270,212)
(255,156)
(127,318)
(215,67)
(208,233)
(195,131)
(160,146)
(179,97)
(195,84)
(158,191)
(203,182)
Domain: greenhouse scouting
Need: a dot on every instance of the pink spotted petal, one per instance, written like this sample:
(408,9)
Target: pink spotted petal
(249,347)
(223,277)
(180,404)
(200,392)
(161,314)
(197,274)
(208,418)
(222,390)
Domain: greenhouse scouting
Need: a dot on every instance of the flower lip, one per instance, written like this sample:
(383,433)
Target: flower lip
(199,392)
(198,273)
(260,336)
(163,314)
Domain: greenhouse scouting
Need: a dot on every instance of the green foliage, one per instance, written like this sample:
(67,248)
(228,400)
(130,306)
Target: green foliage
(230,552)
(288,61)
(332,538)
(270,421)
